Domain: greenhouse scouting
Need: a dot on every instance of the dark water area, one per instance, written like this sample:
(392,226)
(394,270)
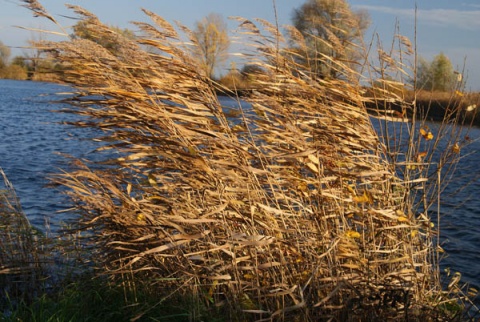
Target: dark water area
(32,138)
(31,144)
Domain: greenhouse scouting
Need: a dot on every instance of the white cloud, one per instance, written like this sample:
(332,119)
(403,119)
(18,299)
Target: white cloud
(471,5)
(469,20)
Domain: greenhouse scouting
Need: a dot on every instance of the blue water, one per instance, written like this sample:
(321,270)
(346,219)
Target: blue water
(31,143)
(32,138)
(460,201)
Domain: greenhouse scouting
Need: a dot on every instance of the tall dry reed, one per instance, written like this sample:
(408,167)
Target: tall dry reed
(292,208)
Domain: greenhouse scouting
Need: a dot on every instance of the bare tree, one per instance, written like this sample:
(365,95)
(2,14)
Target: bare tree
(212,42)
(4,55)
(330,29)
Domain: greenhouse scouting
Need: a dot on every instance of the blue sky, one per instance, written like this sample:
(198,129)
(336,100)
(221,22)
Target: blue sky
(451,27)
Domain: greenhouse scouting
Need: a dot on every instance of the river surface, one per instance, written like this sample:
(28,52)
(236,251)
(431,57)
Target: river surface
(32,141)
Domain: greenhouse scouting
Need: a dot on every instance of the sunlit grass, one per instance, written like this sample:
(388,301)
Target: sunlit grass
(298,210)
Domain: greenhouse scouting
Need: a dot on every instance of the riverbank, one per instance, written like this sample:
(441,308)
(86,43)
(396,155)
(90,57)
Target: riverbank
(431,106)
(462,108)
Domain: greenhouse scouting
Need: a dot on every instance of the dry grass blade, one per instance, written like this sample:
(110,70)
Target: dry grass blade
(165,27)
(38,10)
(82,12)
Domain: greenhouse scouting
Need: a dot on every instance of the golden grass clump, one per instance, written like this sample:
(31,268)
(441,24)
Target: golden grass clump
(290,208)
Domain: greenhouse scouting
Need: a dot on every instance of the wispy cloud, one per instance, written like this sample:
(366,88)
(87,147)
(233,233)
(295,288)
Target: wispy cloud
(471,5)
(463,19)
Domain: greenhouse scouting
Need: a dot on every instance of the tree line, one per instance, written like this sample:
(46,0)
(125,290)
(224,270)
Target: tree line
(32,65)
(319,22)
